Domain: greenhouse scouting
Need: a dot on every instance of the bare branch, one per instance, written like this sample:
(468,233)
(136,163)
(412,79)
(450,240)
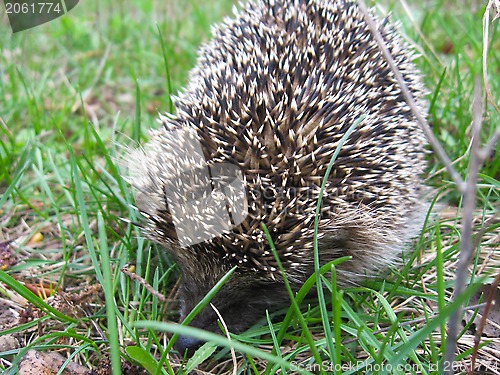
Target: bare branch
(469,203)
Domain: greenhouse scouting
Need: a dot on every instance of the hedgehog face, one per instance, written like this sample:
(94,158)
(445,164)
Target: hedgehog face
(241,302)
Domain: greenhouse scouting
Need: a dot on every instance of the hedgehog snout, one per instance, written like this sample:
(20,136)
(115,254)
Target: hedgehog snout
(240,303)
(187,344)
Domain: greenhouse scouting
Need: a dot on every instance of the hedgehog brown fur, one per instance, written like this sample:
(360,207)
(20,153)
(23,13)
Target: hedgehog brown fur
(273,93)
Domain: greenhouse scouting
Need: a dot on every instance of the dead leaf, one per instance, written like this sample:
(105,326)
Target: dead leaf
(48,363)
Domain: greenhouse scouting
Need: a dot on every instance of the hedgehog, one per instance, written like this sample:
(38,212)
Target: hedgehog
(264,109)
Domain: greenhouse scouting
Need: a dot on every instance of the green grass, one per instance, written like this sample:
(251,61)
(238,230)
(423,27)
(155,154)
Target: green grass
(74,90)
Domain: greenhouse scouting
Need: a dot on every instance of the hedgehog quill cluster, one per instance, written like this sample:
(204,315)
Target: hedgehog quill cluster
(269,99)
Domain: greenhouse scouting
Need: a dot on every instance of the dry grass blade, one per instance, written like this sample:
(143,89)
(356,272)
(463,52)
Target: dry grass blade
(233,353)
(486,33)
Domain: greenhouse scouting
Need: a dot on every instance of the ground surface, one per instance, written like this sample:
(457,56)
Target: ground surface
(74,90)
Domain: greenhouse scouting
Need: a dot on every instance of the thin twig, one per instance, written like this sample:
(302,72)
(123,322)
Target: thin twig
(466,245)
(488,148)
(482,323)
(144,283)
(436,146)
